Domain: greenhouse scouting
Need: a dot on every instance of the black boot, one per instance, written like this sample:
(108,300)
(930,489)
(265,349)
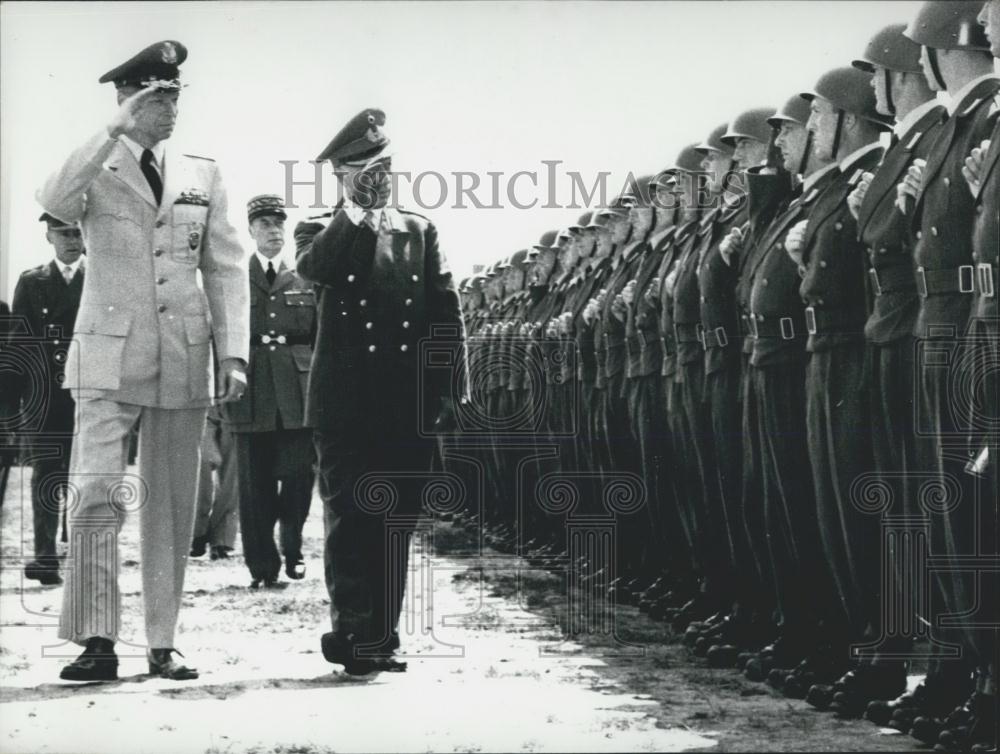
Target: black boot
(97,663)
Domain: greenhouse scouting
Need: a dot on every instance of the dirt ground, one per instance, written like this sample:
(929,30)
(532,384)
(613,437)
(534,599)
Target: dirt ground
(489,670)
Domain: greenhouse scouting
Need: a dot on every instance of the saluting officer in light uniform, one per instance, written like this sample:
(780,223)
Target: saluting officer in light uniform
(152,218)
(274,454)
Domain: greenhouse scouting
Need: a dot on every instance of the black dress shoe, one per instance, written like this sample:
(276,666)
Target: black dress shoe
(722,656)
(295,570)
(340,649)
(220,552)
(162,664)
(199,545)
(46,573)
(819,696)
(266,582)
(97,663)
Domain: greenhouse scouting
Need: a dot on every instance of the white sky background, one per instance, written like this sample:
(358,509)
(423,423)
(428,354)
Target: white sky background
(475,87)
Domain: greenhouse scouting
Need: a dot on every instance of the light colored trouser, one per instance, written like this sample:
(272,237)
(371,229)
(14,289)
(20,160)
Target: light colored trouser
(169,460)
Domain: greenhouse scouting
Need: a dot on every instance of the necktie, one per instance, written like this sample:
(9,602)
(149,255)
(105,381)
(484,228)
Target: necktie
(370,220)
(68,274)
(271,274)
(152,177)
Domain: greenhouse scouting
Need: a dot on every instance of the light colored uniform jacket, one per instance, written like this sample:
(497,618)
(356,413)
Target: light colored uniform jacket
(146,322)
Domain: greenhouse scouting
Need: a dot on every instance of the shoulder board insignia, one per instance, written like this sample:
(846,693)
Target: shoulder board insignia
(199,157)
(972,106)
(853,181)
(813,193)
(916,138)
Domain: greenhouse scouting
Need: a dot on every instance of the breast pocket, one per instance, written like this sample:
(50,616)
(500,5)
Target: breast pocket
(301,305)
(189,221)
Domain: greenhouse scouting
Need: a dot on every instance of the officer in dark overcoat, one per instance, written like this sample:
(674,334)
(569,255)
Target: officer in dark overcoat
(386,298)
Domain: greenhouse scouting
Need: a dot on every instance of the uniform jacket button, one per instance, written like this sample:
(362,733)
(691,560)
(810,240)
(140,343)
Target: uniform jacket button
(350,278)
(406,324)
(161,308)
(271,332)
(368,325)
(934,230)
(272,315)
(947,182)
(363,302)
(272,347)
(160,281)
(883,250)
(404,348)
(763,281)
(157,252)
(371,349)
(822,263)
(274,298)
(160,223)
(820,302)
(920,234)
(45,310)
(838,226)
(416,278)
(409,302)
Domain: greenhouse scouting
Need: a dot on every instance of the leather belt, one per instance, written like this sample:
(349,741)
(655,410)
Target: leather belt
(717,337)
(693,333)
(281,340)
(828,320)
(986,279)
(892,279)
(953,280)
(772,327)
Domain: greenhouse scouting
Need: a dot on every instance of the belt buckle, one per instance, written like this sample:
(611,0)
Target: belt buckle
(811,320)
(752,326)
(721,337)
(873,274)
(966,279)
(787,328)
(921,282)
(265,339)
(281,339)
(985,273)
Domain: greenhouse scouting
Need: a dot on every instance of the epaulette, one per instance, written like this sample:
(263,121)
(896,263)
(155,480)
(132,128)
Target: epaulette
(42,270)
(200,157)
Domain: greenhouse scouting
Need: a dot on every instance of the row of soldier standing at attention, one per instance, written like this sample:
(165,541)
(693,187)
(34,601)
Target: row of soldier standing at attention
(789,334)
(746,330)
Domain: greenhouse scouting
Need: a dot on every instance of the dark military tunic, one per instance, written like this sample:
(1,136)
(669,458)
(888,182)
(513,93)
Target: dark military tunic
(49,307)
(274,453)
(390,348)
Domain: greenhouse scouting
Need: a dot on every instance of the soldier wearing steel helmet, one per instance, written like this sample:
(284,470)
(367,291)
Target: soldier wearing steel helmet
(955,56)
(784,533)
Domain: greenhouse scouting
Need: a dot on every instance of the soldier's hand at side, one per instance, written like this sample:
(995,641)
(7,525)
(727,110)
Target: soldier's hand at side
(731,245)
(124,121)
(973,169)
(857,197)
(232,380)
(794,240)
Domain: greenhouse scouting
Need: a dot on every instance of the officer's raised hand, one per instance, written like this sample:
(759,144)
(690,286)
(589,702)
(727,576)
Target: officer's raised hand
(732,245)
(794,241)
(125,120)
(973,169)
(857,197)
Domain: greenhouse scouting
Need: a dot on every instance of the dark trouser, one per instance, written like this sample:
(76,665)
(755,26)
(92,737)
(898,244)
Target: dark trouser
(892,406)
(275,486)
(839,431)
(801,581)
(649,420)
(712,532)
(623,455)
(371,495)
(722,388)
(683,474)
(752,488)
(964,519)
(49,476)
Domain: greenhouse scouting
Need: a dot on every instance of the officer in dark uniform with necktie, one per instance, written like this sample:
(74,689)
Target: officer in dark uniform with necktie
(274,455)
(48,297)
(386,296)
